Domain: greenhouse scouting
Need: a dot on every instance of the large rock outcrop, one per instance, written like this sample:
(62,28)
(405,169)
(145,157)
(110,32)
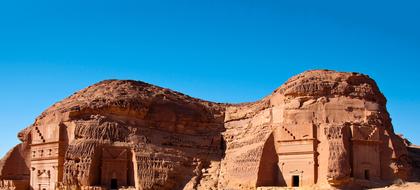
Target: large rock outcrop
(322,128)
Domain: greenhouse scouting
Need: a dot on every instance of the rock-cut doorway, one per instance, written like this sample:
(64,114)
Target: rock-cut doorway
(114,183)
(295,181)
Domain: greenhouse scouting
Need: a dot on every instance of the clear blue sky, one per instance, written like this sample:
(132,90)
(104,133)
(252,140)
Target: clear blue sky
(225,51)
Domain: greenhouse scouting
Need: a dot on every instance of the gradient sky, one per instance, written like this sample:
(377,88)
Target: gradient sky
(224,51)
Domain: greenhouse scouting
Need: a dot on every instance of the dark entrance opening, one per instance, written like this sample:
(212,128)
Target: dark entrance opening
(295,181)
(367,177)
(114,184)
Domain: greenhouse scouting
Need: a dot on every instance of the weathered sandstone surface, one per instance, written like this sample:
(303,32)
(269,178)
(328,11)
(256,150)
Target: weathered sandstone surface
(320,129)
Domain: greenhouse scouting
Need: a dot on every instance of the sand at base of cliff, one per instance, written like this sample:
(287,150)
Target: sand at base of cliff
(405,186)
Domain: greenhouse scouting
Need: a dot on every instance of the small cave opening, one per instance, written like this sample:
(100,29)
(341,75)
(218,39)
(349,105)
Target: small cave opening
(223,146)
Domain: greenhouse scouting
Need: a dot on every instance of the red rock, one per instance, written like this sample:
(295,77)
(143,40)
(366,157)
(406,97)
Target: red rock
(321,128)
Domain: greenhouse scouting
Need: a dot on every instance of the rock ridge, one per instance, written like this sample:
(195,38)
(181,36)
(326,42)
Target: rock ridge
(321,128)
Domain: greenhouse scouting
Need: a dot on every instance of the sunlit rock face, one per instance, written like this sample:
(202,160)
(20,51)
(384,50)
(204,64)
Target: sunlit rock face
(321,128)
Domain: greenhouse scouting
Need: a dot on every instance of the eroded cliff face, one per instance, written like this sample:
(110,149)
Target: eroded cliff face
(326,127)
(162,138)
(320,128)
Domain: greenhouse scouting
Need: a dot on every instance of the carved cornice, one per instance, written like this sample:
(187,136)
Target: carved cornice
(48,143)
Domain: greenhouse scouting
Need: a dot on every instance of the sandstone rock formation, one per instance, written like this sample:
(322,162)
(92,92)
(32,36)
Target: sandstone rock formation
(321,128)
